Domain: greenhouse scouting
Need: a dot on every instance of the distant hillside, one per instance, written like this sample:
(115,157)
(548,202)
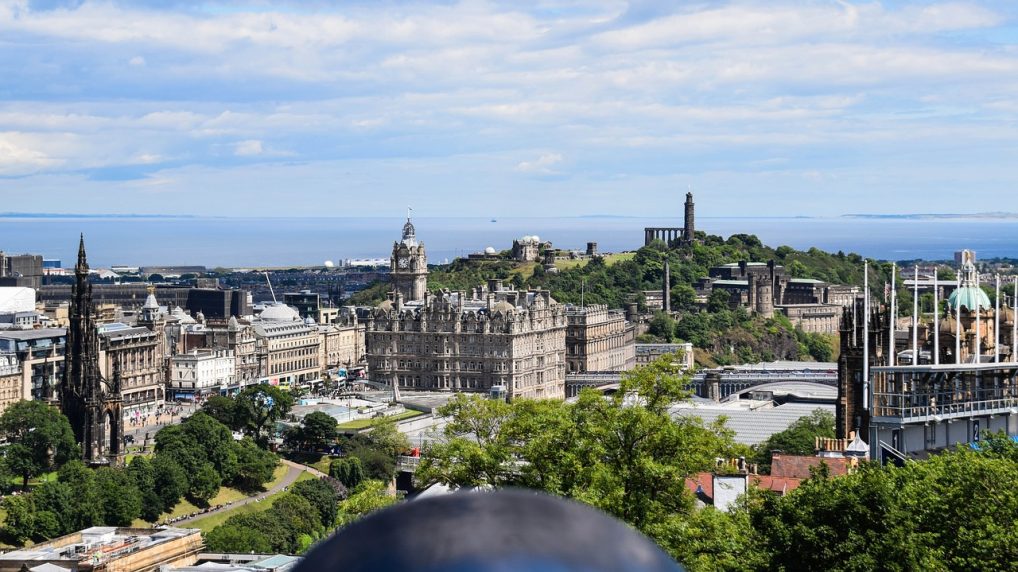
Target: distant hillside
(726,336)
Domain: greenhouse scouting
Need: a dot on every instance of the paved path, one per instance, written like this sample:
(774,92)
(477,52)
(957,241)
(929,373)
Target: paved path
(295,470)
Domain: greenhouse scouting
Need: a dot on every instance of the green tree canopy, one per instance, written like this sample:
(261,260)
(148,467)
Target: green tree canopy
(260,405)
(623,454)
(321,496)
(39,439)
(798,439)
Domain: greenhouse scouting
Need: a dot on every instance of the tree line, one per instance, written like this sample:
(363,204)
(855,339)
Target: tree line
(191,461)
(627,455)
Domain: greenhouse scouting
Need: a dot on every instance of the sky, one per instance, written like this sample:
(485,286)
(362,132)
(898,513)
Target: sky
(482,108)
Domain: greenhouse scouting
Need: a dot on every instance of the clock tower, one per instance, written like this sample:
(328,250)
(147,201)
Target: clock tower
(409,265)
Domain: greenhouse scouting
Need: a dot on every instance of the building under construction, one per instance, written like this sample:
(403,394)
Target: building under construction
(949,380)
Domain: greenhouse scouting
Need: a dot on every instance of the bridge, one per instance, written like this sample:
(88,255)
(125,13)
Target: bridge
(721,383)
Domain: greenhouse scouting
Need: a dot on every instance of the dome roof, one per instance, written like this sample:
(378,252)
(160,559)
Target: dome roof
(968,294)
(278,312)
(233,324)
(970,298)
(182,316)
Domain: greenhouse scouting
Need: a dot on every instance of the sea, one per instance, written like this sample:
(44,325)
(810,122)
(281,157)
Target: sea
(282,242)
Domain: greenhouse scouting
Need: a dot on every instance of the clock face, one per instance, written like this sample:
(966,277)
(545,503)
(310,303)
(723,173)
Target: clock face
(404,262)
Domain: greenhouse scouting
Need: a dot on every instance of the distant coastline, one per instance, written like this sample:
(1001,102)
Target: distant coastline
(89,216)
(937,216)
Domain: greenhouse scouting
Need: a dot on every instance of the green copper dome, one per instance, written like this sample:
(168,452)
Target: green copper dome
(968,294)
(970,297)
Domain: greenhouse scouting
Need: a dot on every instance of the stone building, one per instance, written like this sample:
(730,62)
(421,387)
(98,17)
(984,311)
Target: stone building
(40,354)
(409,265)
(201,372)
(142,367)
(287,348)
(765,287)
(12,389)
(978,323)
(527,249)
(647,353)
(342,343)
(491,340)
(598,339)
(21,270)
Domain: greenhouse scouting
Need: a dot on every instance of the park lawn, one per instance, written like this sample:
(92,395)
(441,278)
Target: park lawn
(209,522)
(525,270)
(226,494)
(366,422)
(608,260)
(323,463)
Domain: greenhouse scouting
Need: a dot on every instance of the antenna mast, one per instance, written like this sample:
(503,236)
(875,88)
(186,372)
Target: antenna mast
(271,291)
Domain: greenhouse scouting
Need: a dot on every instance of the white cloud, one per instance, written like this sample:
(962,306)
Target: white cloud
(248,148)
(705,87)
(542,165)
(19,156)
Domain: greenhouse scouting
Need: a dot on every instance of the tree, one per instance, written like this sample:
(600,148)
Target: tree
(170,480)
(624,455)
(318,429)
(57,499)
(258,405)
(236,539)
(298,517)
(377,449)
(663,326)
(199,441)
(267,525)
(720,301)
(39,439)
(204,485)
(20,521)
(365,499)
(347,470)
(223,410)
(144,477)
(85,508)
(255,465)
(321,496)
(119,496)
(798,439)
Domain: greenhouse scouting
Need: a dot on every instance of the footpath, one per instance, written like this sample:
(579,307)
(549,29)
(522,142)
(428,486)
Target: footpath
(295,469)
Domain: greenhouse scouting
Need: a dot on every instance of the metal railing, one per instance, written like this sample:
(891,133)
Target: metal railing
(407,464)
(925,407)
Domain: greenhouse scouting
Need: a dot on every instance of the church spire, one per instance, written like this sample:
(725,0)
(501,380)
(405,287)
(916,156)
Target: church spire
(82,266)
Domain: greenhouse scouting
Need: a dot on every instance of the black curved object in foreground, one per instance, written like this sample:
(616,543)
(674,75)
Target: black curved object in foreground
(509,530)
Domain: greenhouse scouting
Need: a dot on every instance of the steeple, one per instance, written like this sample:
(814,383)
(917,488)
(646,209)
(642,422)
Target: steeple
(82,266)
(92,405)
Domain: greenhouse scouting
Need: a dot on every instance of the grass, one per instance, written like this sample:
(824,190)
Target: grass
(323,463)
(608,260)
(209,522)
(525,270)
(226,494)
(362,423)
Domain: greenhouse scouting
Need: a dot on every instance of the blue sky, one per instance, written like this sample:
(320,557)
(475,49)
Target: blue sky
(474,108)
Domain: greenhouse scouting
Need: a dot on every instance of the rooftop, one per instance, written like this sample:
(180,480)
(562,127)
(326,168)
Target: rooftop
(39,334)
(752,421)
(98,544)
